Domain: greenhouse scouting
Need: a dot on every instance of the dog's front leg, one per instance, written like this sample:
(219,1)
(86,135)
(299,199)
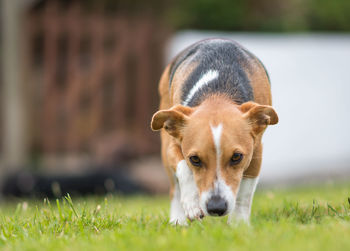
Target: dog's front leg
(188,191)
(244,200)
(177,213)
(185,191)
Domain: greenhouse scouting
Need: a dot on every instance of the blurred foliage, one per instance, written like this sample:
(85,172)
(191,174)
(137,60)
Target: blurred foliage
(261,15)
(129,7)
(238,15)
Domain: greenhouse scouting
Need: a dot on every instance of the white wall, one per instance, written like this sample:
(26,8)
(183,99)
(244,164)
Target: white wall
(310,76)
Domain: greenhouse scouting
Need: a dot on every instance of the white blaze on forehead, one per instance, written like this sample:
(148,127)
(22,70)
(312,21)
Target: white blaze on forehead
(217,131)
(220,186)
(204,80)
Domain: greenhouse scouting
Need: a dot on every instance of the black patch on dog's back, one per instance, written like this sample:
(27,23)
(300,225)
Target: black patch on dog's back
(230,60)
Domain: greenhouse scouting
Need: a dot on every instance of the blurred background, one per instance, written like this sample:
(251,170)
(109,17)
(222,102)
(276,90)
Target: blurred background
(79,79)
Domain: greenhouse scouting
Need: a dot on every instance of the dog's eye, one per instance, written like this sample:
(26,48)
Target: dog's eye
(236,158)
(195,160)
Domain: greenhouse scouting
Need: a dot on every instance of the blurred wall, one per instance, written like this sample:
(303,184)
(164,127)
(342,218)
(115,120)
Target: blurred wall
(310,87)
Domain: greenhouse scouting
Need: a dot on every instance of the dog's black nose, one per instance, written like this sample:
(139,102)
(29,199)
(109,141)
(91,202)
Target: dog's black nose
(216,206)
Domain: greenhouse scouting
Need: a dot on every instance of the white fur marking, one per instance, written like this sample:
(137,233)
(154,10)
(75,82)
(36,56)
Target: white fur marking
(204,80)
(244,198)
(188,190)
(217,131)
(220,186)
(177,214)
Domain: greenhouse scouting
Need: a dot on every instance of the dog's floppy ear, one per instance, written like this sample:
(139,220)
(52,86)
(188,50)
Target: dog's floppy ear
(172,120)
(259,116)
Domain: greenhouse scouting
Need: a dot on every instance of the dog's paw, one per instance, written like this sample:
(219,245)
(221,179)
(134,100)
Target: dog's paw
(177,214)
(191,208)
(178,221)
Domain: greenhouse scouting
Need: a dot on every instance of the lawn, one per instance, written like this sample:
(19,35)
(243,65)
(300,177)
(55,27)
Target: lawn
(316,218)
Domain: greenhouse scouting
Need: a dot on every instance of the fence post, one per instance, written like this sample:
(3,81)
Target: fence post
(14,143)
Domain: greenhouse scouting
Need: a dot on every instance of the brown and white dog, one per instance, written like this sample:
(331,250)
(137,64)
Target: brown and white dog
(215,106)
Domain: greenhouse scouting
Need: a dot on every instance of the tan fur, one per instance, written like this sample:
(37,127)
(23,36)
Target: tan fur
(185,69)
(262,95)
(186,131)
(260,84)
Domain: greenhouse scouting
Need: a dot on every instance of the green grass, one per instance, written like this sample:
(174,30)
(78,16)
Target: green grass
(289,219)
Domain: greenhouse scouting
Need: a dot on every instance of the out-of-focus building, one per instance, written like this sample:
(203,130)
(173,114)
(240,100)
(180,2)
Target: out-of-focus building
(78,84)
(88,76)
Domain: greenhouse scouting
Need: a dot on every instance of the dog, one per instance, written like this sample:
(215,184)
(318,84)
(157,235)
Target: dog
(215,104)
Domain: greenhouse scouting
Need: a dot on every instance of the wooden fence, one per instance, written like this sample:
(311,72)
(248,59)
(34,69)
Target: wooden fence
(93,81)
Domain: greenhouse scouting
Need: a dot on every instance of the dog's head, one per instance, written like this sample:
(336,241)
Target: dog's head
(217,142)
